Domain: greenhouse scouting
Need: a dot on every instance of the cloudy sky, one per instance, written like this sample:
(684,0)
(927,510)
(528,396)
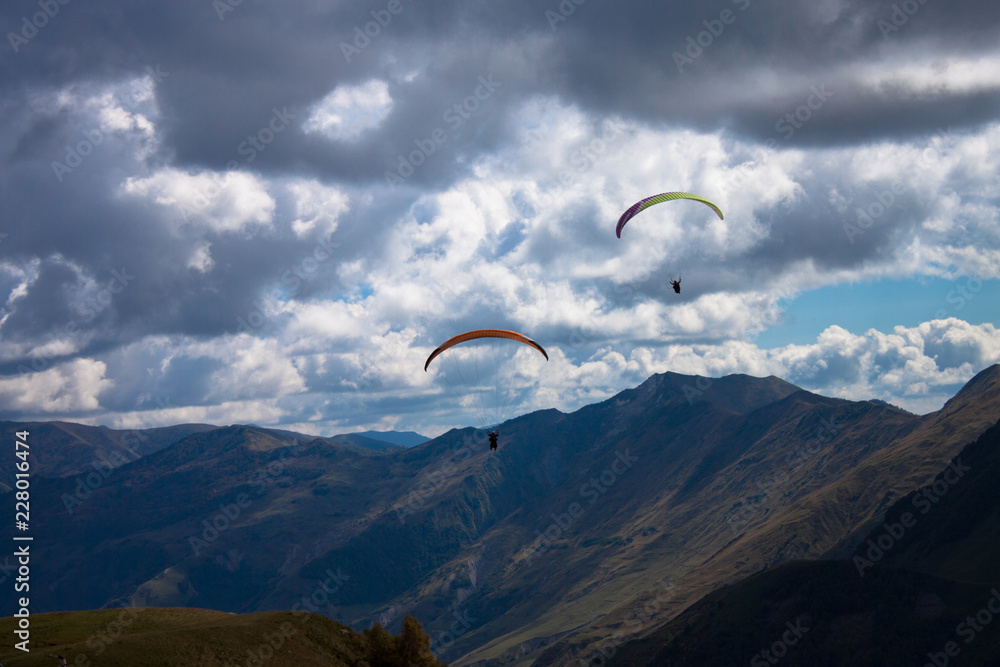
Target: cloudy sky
(253,212)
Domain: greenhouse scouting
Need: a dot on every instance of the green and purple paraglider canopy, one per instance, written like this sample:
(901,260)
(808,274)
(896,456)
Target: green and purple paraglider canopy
(643,204)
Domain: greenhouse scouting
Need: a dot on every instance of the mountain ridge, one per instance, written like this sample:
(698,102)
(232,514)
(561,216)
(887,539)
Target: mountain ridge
(699,481)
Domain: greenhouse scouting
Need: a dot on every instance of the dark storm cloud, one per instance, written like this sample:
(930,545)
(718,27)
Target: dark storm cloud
(77,215)
(636,66)
(105,235)
(228,76)
(865,229)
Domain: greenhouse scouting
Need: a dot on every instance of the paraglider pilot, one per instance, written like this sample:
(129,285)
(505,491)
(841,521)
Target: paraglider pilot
(493,439)
(676,284)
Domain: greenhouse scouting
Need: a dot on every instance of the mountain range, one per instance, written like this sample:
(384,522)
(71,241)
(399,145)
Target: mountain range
(583,532)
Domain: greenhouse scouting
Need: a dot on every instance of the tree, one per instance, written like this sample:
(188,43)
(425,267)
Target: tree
(379,646)
(414,645)
(412,648)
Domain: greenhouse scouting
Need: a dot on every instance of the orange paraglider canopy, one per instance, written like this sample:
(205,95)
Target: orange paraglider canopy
(484,333)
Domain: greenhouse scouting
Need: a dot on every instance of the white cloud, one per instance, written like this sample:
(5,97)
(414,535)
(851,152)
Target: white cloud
(928,74)
(350,111)
(317,207)
(201,259)
(252,369)
(65,389)
(219,202)
(227,412)
(16,280)
(123,112)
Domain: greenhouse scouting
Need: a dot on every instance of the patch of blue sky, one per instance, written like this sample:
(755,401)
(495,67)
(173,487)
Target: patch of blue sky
(425,210)
(360,292)
(883,305)
(511,237)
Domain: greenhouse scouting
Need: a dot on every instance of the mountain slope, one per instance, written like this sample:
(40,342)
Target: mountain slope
(949,527)
(401,438)
(926,576)
(535,552)
(798,491)
(818,613)
(74,449)
(695,510)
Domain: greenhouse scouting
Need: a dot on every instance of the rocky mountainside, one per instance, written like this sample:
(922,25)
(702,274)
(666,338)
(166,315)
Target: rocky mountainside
(561,540)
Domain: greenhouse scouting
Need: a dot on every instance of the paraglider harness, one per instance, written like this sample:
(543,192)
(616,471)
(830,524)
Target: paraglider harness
(493,439)
(676,284)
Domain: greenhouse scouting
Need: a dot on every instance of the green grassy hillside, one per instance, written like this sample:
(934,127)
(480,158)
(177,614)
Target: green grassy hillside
(136,637)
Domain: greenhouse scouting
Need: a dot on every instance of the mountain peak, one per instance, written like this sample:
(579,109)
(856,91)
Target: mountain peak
(739,392)
(983,388)
(398,438)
